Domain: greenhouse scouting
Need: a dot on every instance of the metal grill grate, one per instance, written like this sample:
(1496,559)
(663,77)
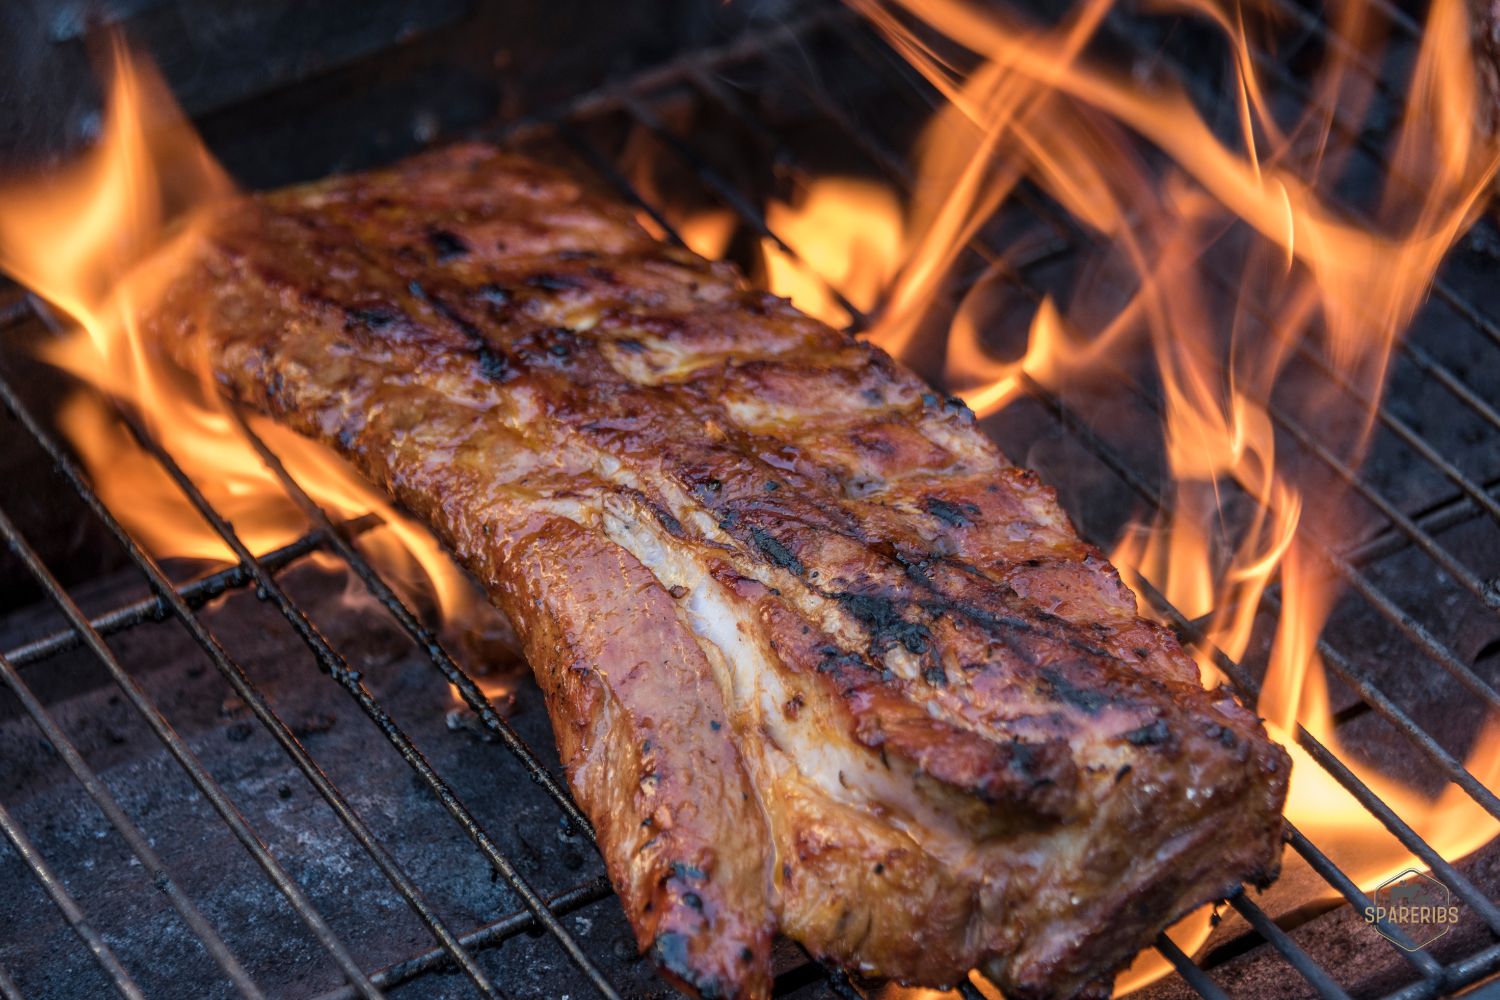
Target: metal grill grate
(590,130)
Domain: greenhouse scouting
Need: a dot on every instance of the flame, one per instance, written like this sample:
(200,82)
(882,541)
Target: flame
(99,238)
(835,232)
(1036,109)
(1174,212)
(1312,276)
(844,233)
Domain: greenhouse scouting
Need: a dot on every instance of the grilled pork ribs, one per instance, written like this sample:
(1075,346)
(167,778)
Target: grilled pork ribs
(819,661)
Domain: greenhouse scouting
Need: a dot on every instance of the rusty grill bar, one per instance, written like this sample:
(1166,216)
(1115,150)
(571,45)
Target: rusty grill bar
(638,101)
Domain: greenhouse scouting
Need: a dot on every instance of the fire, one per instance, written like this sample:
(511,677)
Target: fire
(845,234)
(1036,109)
(98,239)
(1256,214)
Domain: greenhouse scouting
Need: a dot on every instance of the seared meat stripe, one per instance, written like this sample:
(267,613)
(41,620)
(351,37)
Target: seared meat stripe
(818,660)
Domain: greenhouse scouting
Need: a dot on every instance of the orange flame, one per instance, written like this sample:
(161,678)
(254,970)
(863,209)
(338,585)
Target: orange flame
(1314,278)
(99,239)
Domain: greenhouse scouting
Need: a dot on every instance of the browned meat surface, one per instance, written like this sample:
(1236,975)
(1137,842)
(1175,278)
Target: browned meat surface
(819,661)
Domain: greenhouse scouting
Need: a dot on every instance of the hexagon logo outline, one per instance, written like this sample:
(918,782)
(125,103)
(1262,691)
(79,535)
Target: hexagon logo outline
(1416,904)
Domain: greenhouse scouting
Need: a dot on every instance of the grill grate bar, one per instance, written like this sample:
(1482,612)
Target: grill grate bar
(1294,955)
(196,594)
(494,933)
(8,988)
(1387,708)
(1189,970)
(1331,873)
(161,878)
(1487,910)
(1405,525)
(351,680)
(731,197)
(483,709)
(1409,728)
(384,861)
(119,978)
(1371,695)
(162,729)
(617,180)
(1434,519)
(1413,630)
(1468,970)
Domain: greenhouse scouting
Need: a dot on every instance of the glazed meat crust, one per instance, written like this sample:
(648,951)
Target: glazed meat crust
(819,661)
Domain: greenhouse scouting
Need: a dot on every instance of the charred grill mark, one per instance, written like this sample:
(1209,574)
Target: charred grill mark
(1150,735)
(836,659)
(493,363)
(548,282)
(776,552)
(958,515)
(446,245)
(374,317)
(1085,700)
(884,622)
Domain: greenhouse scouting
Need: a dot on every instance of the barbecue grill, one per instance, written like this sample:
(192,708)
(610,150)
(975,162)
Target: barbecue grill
(206,863)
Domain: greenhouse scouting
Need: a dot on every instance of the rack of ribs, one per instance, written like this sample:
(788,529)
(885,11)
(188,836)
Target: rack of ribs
(819,661)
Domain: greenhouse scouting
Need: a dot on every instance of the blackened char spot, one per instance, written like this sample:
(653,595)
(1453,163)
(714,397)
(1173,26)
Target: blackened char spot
(553,282)
(469,330)
(495,295)
(960,516)
(1023,758)
(884,621)
(775,551)
(682,869)
(1082,698)
(1153,734)
(374,317)
(835,658)
(673,952)
(493,365)
(447,245)
(666,519)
